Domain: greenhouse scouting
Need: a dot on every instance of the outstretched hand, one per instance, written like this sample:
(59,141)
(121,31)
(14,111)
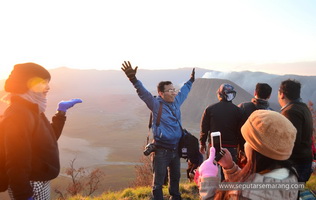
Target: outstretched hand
(65,105)
(129,71)
(192,78)
(208,168)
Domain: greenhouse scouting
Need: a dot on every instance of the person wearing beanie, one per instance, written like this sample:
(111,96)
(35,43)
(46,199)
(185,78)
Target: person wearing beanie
(301,117)
(225,117)
(29,156)
(167,134)
(269,143)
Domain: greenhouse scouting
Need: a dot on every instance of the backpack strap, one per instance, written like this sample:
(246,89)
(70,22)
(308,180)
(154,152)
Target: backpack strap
(151,120)
(158,117)
(159,114)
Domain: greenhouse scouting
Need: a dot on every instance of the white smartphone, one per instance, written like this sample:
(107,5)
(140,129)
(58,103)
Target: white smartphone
(217,144)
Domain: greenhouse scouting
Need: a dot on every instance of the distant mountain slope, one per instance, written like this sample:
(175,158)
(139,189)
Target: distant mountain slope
(86,82)
(110,127)
(97,86)
(248,80)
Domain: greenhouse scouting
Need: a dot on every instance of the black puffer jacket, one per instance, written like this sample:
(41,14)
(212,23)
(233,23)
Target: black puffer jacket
(28,148)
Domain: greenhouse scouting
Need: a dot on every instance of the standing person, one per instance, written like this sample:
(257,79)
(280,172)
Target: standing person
(29,156)
(269,142)
(289,97)
(167,135)
(224,117)
(260,101)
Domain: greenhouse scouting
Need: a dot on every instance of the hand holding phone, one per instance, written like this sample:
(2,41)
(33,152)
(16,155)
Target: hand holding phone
(217,144)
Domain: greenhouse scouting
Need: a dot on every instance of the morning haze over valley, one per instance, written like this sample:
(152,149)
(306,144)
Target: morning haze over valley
(109,129)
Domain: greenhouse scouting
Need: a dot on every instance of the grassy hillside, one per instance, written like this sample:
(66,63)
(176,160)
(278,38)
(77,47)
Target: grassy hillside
(189,191)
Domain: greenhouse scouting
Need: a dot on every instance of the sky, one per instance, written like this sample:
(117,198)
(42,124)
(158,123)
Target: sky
(223,35)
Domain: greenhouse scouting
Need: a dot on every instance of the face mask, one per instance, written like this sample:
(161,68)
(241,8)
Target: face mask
(230,96)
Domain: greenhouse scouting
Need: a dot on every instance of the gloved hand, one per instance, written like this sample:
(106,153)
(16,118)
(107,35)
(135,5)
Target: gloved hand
(65,105)
(129,71)
(208,168)
(192,78)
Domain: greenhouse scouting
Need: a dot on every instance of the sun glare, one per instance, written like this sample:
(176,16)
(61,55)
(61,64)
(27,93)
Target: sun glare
(156,35)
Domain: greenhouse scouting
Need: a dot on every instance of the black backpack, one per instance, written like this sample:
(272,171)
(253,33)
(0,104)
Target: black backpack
(190,144)
(189,147)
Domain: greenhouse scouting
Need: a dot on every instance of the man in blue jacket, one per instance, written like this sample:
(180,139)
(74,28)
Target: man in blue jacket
(168,133)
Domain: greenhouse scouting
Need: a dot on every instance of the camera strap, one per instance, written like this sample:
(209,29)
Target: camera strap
(151,120)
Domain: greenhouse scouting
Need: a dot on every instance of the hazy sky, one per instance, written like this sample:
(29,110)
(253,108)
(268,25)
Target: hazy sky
(215,34)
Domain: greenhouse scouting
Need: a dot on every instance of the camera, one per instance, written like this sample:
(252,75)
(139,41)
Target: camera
(184,152)
(149,148)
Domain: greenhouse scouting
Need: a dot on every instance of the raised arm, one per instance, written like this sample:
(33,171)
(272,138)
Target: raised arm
(185,89)
(59,119)
(129,71)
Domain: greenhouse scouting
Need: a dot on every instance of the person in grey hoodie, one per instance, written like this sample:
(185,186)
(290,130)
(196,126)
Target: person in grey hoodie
(262,94)
(168,133)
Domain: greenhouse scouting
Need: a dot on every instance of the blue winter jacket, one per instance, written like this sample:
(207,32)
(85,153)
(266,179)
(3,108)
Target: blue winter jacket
(169,132)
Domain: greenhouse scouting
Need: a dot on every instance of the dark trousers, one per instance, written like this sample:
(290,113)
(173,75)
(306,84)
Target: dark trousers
(166,159)
(304,171)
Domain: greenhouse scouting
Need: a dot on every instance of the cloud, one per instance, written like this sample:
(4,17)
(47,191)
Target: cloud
(216,74)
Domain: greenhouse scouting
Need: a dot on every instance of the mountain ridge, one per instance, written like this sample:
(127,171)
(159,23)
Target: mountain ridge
(114,81)
(111,125)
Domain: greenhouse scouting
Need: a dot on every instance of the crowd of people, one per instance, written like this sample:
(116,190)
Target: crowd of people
(259,144)
(274,147)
